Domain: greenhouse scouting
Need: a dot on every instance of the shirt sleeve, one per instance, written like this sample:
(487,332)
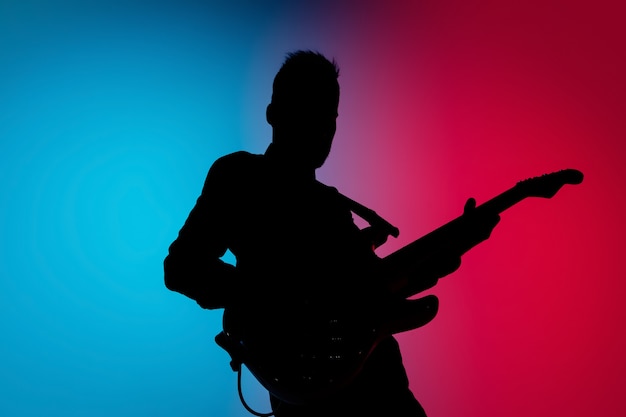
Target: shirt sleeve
(193,266)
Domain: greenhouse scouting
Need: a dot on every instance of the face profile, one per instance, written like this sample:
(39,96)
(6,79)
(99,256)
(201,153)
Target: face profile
(304,108)
(306,130)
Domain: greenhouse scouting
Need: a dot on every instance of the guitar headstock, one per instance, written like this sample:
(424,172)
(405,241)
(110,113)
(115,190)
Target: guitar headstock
(547,185)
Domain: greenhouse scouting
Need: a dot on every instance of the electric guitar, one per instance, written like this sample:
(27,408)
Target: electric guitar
(326,347)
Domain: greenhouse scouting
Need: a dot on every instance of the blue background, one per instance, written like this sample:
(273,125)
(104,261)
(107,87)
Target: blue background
(111,113)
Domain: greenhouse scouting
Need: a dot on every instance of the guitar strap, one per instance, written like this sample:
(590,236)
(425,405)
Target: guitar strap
(369,215)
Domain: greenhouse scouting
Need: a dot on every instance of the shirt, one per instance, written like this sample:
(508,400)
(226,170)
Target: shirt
(299,259)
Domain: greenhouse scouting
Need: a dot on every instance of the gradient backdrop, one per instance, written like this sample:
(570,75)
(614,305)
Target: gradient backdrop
(111,112)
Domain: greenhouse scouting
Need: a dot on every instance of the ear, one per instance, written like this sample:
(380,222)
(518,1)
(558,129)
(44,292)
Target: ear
(269,114)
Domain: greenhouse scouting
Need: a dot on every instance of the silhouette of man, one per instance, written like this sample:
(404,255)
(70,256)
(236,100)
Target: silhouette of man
(295,242)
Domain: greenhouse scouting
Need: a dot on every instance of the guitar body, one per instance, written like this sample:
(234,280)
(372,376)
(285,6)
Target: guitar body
(300,356)
(305,352)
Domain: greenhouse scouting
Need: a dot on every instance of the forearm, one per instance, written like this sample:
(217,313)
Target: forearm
(211,284)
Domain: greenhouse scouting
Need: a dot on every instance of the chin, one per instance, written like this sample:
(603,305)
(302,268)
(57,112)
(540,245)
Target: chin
(318,162)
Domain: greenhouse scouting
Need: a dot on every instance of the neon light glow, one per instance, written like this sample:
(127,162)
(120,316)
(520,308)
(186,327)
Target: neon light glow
(112,113)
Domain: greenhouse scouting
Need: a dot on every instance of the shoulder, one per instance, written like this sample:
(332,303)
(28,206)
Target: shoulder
(235,163)
(235,160)
(230,169)
(326,188)
(330,191)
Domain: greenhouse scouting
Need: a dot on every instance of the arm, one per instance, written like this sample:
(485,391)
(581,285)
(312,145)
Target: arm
(193,266)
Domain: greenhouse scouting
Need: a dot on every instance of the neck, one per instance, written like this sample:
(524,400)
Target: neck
(286,162)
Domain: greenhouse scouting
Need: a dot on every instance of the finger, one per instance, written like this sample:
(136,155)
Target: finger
(470,205)
(495,220)
(411,314)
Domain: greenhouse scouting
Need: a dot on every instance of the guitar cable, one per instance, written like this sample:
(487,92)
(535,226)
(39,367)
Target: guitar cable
(243,401)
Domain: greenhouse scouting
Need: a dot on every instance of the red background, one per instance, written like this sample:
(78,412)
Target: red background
(442,101)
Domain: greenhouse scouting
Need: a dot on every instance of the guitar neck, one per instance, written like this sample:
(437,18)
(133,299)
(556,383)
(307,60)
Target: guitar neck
(447,239)
(503,201)
(455,238)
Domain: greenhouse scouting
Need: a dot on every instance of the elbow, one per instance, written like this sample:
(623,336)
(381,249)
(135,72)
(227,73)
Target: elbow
(168,276)
(169,283)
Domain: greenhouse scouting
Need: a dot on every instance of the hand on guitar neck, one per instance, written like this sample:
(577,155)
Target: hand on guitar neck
(444,257)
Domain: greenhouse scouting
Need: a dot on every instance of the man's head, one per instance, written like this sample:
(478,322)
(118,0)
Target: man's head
(303,110)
